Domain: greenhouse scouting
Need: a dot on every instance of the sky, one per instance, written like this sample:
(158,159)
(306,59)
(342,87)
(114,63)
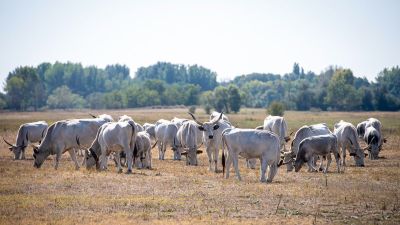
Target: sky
(231,37)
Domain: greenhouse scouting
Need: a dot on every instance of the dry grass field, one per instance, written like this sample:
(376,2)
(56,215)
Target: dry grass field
(172,193)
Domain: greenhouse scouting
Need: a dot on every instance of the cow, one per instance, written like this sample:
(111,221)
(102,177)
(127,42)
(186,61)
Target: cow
(216,114)
(372,136)
(128,118)
(277,125)
(301,134)
(62,136)
(189,137)
(112,137)
(250,144)
(178,121)
(361,129)
(27,133)
(143,149)
(166,135)
(346,134)
(212,132)
(320,145)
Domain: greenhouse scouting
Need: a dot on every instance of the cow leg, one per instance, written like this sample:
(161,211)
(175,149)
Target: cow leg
(58,157)
(344,155)
(216,152)
(159,145)
(209,155)
(263,169)
(129,158)
(311,167)
(273,169)
(329,160)
(23,154)
(228,163)
(236,166)
(72,153)
(117,159)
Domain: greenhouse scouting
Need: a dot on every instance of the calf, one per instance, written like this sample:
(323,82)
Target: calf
(321,145)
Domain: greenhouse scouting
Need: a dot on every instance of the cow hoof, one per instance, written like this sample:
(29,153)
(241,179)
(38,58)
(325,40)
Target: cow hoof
(263,181)
(129,172)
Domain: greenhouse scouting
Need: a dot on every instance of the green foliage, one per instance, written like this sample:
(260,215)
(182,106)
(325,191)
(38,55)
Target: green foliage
(341,94)
(63,98)
(234,98)
(276,109)
(192,109)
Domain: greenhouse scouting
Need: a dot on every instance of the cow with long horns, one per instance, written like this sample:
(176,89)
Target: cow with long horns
(212,137)
(28,133)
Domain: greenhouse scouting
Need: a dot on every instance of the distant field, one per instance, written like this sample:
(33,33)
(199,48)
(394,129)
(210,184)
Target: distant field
(174,193)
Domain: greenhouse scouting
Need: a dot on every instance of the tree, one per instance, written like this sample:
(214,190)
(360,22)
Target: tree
(276,109)
(63,98)
(234,98)
(341,94)
(221,96)
(207,100)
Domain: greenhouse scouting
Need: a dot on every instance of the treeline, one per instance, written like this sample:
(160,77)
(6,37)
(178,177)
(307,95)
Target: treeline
(70,85)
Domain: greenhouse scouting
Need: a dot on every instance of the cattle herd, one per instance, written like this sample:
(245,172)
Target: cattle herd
(130,143)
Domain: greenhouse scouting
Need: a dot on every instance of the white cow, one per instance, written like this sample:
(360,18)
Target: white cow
(377,125)
(143,149)
(128,118)
(250,144)
(301,134)
(346,134)
(212,137)
(27,133)
(320,145)
(63,136)
(216,114)
(112,137)
(166,136)
(372,137)
(178,121)
(277,125)
(189,139)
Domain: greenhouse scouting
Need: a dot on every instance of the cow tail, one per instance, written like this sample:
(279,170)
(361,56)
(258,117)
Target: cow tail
(223,154)
(133,131)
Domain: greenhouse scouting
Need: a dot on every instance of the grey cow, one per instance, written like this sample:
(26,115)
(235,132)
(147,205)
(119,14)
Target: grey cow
(251,144)
(321,145)
(63,136)
(27,133)
(212,131)
(112,137)
(165,133)
(346,134)
(188,140)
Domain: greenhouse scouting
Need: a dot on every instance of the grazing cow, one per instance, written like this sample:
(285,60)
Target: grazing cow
(143,149)
(250,144)
(150,129)
(166,135)
(212,132)
(277,125)
(62,136)
(27,133)
(217,114)
(346,134)
(320,145)
(361,129)
(188,140)
(112,137)
(301,134)
(372,137)
(178,122)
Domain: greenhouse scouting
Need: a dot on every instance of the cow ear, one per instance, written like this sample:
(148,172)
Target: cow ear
(199,151)
(184,153)
(216,126)
(201,128)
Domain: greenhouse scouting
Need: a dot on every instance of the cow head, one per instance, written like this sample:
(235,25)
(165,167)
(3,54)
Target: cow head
(17,150)
(91,159)
(39,156)
(361,129)
(357,153)
(191,156)
(208,127)
(373,146)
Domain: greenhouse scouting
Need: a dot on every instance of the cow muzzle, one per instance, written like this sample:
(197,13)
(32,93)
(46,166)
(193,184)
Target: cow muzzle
(210,136)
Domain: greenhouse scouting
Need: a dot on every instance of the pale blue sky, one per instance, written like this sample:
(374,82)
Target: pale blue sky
(229,37)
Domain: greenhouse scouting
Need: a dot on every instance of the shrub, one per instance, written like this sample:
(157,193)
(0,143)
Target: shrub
(192,109)
(276,109)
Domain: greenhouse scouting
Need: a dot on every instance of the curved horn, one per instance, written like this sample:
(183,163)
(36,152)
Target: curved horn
(7,142)
(291,133)
(43,132)
(260,128)
(92,115)
(220,117)
(195,120)
(154,145)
